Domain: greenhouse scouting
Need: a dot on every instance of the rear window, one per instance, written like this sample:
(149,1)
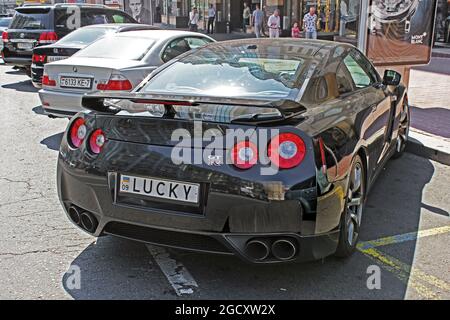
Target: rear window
(33,19)
(85,35)
(116,47)
(4,22)
(232,71)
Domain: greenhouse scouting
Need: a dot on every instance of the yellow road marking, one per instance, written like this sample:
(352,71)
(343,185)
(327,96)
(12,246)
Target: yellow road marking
(403,237)
(407,274)
(390,264)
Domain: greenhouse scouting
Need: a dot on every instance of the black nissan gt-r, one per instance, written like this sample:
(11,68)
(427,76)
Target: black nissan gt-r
(262,148)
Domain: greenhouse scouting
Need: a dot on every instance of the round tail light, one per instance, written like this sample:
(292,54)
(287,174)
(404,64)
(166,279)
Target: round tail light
(286,150)
(96,141)
(244,155)
(77,132)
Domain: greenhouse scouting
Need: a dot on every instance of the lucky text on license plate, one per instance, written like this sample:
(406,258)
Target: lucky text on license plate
(159,188)
(73,82)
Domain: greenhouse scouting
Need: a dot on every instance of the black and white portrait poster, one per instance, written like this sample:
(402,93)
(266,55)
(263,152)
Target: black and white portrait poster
(400,31)
(139,10)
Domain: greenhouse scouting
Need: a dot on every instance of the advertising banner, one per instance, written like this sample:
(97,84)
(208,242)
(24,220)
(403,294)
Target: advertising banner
(400,31)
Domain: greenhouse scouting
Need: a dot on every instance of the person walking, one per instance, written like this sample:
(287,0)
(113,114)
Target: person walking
(193,20)
(246,17)
(274,24)
(211,18)
(258,18)
(309,23)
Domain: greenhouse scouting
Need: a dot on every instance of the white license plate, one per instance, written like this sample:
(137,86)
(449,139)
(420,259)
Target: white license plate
(72,82)
(25,45)
(55,58)
(158,188)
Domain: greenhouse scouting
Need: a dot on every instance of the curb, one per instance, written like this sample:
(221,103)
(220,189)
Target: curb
(416,147)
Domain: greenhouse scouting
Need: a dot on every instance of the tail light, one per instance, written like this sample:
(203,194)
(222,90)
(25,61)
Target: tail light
(286,150)
(96,141)
(46,81)
(5,37)
(77,132)
(39,58)
(116,82)
(244,155)
(48,37)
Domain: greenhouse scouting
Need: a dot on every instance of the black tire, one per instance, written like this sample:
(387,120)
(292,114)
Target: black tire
(403,130)
(351,217)
(28,71)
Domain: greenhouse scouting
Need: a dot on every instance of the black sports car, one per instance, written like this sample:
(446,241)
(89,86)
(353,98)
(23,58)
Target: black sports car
(261,148)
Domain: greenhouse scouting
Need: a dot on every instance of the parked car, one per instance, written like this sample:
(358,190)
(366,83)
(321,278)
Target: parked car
(38,25)
(117,63)
(4,24)
(74,42)
(294,134)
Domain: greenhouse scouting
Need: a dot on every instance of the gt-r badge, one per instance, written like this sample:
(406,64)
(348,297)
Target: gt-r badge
(214,160)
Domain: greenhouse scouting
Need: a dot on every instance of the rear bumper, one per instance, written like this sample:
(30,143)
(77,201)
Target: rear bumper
(60,103)
(202,233)
(36,75)
(17,61)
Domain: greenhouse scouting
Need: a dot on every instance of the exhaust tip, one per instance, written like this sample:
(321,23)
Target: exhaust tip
(74,215)
(88,222)
(284,249)
(257,250)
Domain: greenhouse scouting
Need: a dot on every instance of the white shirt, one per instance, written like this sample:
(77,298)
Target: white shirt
(193,18)
(211,13)
(274,22)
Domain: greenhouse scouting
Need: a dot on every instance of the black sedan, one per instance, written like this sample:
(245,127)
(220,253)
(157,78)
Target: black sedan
(74,42)
(265,149)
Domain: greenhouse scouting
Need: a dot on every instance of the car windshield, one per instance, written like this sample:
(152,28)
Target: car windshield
(85,35)
(245,71)
(26,18)
(4,22)
(115,47)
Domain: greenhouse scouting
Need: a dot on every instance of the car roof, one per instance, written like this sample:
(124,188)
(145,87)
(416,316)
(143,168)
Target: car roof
(160,34)
(288,43)
(119,26)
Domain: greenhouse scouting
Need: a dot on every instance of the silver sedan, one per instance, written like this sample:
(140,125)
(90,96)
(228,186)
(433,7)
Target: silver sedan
(114,63)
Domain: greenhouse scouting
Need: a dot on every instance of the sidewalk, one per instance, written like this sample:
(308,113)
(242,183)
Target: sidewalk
(429,97)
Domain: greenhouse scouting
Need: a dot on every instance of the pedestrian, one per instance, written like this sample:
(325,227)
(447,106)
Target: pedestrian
(257,17)
(295,31)
(246,17)
(211,18)
(274,24)
(193,20)
(309,23)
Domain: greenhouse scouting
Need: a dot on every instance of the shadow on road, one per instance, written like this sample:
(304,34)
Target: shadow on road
(432,120)
(53,141)
(116,269)
(39,110)
(22,86)
(436,65)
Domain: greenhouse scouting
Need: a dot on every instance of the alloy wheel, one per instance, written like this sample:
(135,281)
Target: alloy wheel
(355,199)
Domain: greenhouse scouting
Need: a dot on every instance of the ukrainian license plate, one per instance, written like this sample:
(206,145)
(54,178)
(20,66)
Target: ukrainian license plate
(25,45)
(73,82)
(55,58)
(160,188)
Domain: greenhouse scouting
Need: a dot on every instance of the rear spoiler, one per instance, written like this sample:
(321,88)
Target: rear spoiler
(95,102)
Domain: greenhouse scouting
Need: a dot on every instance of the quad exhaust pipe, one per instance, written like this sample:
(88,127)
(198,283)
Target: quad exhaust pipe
(284,249)
(260,249)
(257,249)
(84,219)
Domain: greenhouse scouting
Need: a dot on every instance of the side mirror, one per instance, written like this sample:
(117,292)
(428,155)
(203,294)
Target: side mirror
(391,78)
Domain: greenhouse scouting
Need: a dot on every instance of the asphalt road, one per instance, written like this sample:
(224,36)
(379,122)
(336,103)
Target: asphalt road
(40,250)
